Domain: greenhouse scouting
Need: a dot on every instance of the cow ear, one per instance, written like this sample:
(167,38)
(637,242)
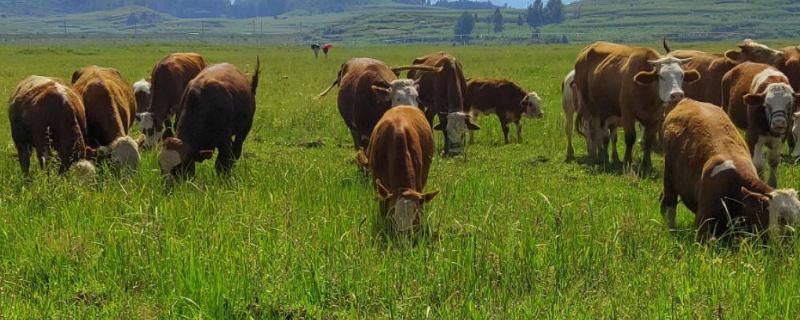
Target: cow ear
(381,92)
(361,159)
(754,99)
(749,196)
(203,155)
(427,197)
(75,76)
(471,125)
(733,55)
(691,76)
(383,192)
(645,77)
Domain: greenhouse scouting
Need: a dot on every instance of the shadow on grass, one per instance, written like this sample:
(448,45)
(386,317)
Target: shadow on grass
(618,168)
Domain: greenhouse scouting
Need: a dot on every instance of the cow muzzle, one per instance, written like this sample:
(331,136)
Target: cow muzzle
(676,96)
(778,122)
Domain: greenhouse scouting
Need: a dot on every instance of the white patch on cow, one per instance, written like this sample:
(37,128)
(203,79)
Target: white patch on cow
(84,170)
(404,215)
(784,209)
(725,165)
(168,160)
(404,93)
(762,76)
(456,129)
(758,153)
(62,90)
(778,100)
(533,105)
(125,152)
(147,125)
(142,86)
(670,78)
(146,120)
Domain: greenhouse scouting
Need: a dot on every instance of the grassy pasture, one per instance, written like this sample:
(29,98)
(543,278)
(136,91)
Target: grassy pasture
(516,231)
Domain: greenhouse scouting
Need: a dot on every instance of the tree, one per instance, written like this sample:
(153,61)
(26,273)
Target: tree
(554,11)
(536,14)
(520,20)
(464,26)
(497,20)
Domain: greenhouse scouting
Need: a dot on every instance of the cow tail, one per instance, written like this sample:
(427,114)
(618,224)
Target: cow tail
(335,83)
(664,43)
(254,81)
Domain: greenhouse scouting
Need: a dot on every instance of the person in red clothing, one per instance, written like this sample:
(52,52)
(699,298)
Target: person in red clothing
(325,48)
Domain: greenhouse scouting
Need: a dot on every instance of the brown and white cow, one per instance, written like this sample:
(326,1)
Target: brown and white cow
(712,66)
(367,88)
(708,165)
(592,129)
(217,113)
(759,99)
(46,113)
(632,83)
(399,157)
(141,91)
(169,79)
(110,108)
(442,94)
(787,59)
(504,98)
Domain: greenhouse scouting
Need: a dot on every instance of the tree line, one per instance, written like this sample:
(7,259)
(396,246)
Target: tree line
(537,15)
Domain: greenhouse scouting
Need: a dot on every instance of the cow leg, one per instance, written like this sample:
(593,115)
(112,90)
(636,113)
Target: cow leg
(519,131)
(757,152)
(568,128)
(238,140)
(504,125)
(648,139)
(669,199)
(22,140)
(774,158)
(711,219)
(225,159)
(42,145)
(629,127)
(612,131)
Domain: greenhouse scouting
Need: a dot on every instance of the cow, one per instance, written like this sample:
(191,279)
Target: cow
(110,108)
(45,113)
(759,99)
(712,66)
(605,130)
(216,113)
(786,60)
(504,98)
(707,164)
(632,83)
(169,79)
(399,157)
(367,88)
(442,94)
(141,91)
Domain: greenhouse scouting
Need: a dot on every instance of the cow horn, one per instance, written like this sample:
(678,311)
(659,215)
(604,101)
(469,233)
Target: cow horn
(417,67)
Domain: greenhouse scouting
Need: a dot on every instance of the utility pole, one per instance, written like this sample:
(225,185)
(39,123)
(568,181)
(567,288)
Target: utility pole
(254,26)
(65,27)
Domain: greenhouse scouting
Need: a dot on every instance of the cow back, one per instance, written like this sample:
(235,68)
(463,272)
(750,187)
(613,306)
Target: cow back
(401,149)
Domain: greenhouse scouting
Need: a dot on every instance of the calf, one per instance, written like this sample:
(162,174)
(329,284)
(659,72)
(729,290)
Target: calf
(399,157)
(44,112)
(759,99)
(707,165)
(592,129)
(442,94)
(503,98)
(110,108)
(632,83)
(217,113)
(367,88)
(169,79)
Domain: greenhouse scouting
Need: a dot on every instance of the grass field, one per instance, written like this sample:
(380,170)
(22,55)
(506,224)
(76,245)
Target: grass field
(516,231)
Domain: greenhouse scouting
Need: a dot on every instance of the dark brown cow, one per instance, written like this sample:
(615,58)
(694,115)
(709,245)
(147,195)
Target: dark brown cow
(44,112)
(707,165)
(169,79)
(141,91)
(399,157)
(367,88)
(633,83)
(217,113)
(110,109)
(505,99)
(759,99)
(442,94)
(712,66)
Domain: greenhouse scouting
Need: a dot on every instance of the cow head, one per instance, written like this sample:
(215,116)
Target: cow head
(125,152)
(532,105)
(147,123)
(141,91)
(780,206)
(177,158)
(83,170)
(753,51)
(778,103)
(456,127)
(403,208)
(401,92)
(669,75)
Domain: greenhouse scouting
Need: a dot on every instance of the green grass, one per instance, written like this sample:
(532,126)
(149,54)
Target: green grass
(516,231)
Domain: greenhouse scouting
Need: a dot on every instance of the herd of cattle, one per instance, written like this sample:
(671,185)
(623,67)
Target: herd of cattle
(688,105)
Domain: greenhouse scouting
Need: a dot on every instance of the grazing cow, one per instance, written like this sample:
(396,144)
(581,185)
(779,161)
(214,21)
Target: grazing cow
(505,99)
(367,88)
(605,130)
(141,91)
(786,60)
(632,83)
(707,165)
(169,79)
(399,157)
(217,113)
(759,99)
(442,94)
(712,66)
(110,108)
(44,112)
